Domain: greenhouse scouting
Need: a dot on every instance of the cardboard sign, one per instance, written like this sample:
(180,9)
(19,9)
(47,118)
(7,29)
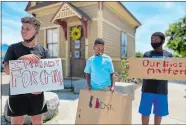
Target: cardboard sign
(43,76)
(160,69)
(102,107)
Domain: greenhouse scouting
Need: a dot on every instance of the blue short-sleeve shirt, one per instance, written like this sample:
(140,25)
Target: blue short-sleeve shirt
(100,68)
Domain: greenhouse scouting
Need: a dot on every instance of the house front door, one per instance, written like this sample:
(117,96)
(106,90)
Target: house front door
(77,52)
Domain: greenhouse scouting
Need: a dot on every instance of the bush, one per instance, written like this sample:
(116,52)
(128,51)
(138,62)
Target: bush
(176,55)
(122,77)
(139,54)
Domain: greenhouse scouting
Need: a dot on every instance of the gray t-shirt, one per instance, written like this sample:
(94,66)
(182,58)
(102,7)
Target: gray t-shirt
(156,86)
(17,50)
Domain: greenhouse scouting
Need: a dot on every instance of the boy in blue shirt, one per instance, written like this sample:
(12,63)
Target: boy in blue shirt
(99,69)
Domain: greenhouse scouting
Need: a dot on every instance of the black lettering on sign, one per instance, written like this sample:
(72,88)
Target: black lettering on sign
(100,104)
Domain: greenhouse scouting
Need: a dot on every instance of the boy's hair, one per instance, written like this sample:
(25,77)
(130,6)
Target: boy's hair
(31,20)
(159,34)
(99,41)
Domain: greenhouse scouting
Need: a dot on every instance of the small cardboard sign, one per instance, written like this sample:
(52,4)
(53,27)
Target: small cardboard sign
(157,68)
(103,107)
(43,76)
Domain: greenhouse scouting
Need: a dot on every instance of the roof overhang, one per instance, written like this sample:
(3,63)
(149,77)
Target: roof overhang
(137,21)
(30,8)
(68,10)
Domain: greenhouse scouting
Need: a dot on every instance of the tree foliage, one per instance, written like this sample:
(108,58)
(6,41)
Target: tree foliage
(176,35)
(139,54)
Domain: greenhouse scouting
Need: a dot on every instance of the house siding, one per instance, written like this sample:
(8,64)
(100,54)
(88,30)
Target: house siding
(92,35)
(90,10)
(62,43)
(45,20)
(40,37)
(111,36)
(112,17)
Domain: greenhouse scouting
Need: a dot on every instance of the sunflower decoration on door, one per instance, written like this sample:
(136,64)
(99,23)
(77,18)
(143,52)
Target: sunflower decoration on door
(75,33)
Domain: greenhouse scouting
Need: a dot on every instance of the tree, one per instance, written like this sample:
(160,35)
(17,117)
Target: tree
(139,54)
(176,55)
(176,35)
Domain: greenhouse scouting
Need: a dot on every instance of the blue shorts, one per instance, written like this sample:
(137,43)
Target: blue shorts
(159,102)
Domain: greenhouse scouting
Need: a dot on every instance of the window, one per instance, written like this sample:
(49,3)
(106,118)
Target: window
(123,45)
(52,42)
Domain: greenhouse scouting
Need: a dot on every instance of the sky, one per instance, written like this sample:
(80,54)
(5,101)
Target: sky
(154,16)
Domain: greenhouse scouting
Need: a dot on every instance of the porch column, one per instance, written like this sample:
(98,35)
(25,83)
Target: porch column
(63,25)
(100,19)
(85,30)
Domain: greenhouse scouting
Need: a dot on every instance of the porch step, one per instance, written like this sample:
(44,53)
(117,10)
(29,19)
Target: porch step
(79,84)
(73,78)
(63,90)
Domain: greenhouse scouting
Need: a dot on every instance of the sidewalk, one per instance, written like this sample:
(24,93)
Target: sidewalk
(177,108)
(69,102)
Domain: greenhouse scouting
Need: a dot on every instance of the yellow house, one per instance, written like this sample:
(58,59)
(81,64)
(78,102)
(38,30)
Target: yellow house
(69,30)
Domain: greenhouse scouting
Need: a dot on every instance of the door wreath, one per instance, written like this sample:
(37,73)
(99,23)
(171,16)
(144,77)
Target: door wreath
(75,33)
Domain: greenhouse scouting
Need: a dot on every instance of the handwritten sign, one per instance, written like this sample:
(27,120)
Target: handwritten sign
(101,107)
(160,69)
(43,76)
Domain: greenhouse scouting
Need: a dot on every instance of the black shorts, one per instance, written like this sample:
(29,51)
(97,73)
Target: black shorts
(26,104)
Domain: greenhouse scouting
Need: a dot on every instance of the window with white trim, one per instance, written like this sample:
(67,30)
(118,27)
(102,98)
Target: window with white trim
(52,41)
(123,45)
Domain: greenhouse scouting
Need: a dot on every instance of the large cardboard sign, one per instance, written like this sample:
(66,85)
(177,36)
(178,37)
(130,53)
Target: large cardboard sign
(43,76)
(157,68)
(101,107)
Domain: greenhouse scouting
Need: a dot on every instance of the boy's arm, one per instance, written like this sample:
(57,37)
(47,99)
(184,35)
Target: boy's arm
(8,56)
(112,80)
(88,74)
(112,75)
(88,80)
(6,68)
